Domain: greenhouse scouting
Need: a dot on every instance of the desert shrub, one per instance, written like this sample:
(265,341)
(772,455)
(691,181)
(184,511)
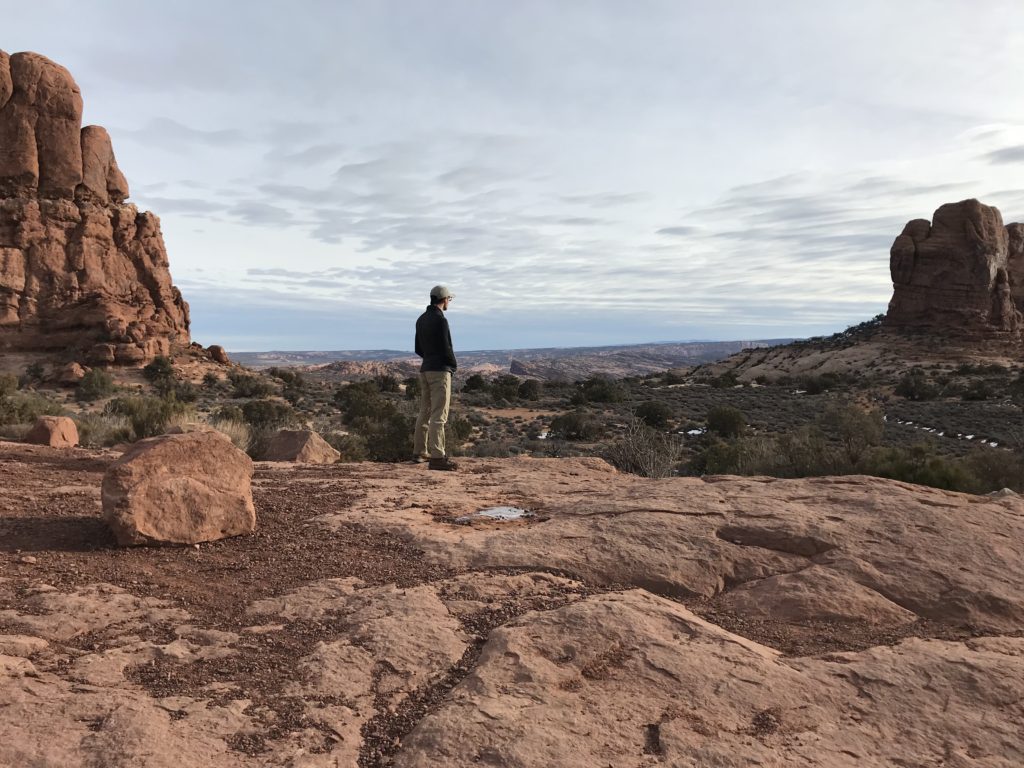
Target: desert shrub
(673,376)
(351,447)
(1016,389)
(727,380)
(498,449)
(804,452)
(8,384)
(98,430)
(183,391)
(644,451)
(248,385)
(856,429)
(575,425)
(979,389)
(362,400)
(915,385)
(504,387)
(457,430)
(14,431)
(161,370)
(477,419)
(412,388)
(148,416)
(287,377)
(264,415)
(920,465)
(599,389)
(718,457)
(995,469)
(388,438)
(237,430)
(654,413)
(475,383)
(529,390)
(386,382)
(228,413)
(801,453)
(211,380)
(95,385)
(26,407)
(726,421)
(34,374)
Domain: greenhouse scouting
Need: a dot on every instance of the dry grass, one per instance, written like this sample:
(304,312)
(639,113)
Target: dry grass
(238,431)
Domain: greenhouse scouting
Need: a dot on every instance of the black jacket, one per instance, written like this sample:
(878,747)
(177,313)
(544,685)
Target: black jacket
(434,341)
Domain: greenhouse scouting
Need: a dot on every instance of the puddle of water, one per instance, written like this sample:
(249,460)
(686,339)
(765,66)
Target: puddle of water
(501,514)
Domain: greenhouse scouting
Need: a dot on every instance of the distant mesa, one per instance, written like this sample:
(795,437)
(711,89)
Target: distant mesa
(960,275)
(80,269)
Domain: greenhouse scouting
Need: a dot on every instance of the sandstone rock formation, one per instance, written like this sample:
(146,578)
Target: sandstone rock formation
(960,275)
(847,621)
(180,489)
(302,445)
(54,431)
(79,268)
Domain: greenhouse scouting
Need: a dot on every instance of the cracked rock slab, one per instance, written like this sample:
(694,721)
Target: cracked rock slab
(610,679)
(944,556)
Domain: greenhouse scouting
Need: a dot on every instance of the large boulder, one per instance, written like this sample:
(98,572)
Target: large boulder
(79,268)
(301,445)
(218,354)
(959,274)
(71,374)
(54,431)
(179,489)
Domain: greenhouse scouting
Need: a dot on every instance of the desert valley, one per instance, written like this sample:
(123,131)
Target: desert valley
(776,552)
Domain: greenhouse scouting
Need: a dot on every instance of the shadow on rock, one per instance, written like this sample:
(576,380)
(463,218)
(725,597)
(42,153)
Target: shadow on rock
(69,534)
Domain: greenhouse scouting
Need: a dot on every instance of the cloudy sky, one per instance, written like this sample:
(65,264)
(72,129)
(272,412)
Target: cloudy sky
(579,172)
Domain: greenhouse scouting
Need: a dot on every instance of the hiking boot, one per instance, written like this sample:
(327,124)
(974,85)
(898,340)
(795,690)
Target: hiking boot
(444,464)
(420,459)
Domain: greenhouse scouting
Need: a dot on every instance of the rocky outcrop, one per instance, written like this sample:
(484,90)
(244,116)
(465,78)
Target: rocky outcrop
(79,268)
(179,489)
(961,274)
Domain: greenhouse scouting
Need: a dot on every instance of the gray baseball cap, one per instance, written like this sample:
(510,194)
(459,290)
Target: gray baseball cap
(441,292)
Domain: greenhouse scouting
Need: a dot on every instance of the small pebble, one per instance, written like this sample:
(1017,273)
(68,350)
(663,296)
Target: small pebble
(27,559)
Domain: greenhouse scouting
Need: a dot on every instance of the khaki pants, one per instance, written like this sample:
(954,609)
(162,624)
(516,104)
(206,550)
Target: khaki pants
(435,396)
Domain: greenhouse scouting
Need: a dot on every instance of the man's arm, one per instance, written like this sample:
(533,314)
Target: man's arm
(449,352)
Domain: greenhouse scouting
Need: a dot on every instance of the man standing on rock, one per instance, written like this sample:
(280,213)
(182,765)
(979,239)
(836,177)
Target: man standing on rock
(434,345)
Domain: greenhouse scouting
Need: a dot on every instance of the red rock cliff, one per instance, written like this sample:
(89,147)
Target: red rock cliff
(80,269)
(961,274)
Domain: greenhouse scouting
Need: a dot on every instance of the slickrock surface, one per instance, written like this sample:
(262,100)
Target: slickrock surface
(79,267)
(629,622)
(960,274)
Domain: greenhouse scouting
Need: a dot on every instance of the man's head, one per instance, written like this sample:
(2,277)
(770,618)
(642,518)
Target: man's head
(440,295)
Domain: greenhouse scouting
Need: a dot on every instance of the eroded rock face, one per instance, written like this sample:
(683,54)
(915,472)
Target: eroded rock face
(961,274)
(179,489)
(79,268)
